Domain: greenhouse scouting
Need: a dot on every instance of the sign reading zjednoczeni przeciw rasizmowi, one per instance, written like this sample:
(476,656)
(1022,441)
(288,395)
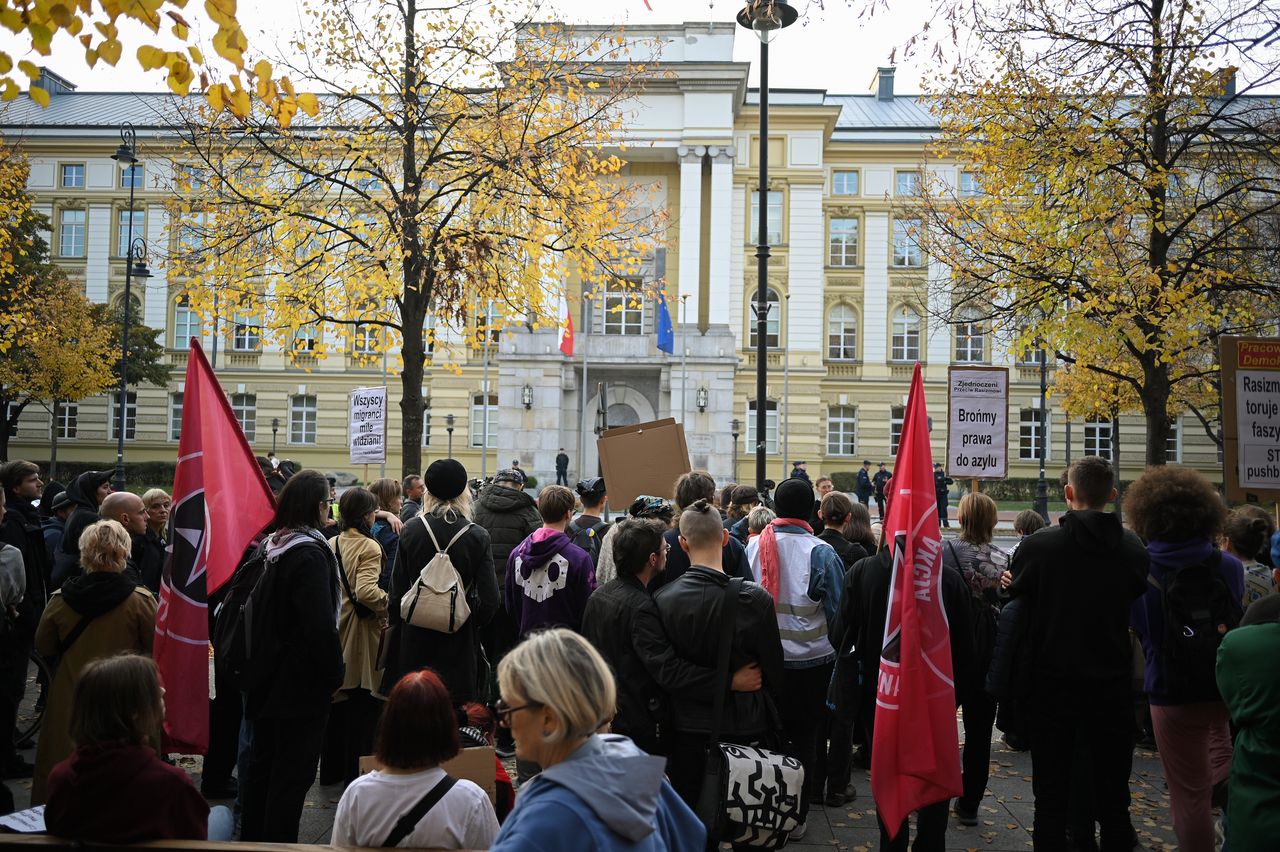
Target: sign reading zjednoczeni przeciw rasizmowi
(1251,418)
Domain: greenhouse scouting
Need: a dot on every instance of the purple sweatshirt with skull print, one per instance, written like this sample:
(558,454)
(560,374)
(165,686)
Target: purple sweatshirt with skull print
(549,579)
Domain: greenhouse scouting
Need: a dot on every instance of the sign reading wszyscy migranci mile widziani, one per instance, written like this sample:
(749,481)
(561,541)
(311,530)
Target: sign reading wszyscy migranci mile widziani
(367,430)
(1251,390)
(978,422)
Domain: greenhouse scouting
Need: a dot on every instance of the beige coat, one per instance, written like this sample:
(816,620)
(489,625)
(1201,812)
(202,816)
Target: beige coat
(131,626)
(362,562)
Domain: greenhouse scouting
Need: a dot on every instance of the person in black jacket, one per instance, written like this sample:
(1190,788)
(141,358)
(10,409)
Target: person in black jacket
(690,488)
(562,467)
(87,491)
(509,515)
(1080,694)
(863,609)
(834,512)
(941,489)
(290,712)
(456,657)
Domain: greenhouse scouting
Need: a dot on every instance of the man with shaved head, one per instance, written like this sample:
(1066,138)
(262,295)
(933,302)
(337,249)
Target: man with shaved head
(128,508)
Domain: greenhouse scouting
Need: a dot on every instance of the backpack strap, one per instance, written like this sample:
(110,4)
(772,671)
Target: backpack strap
(407,823)
(453,540)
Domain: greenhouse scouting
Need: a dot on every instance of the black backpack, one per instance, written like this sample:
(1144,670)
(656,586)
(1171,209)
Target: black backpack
(1198,609)
(982,614)
(588,538)
(243,646)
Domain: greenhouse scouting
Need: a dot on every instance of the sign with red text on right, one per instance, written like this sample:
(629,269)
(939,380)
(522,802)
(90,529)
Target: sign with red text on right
(1251,418)
(977,422)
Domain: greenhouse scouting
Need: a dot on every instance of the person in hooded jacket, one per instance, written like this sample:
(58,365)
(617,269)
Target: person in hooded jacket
(55,508)
(596,791)
(94,615)
(87,491)
(549,578)
(290,711)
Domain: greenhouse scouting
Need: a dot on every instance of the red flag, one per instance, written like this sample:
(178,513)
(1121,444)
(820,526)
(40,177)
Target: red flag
(915,757)
(566,336)
(220,502)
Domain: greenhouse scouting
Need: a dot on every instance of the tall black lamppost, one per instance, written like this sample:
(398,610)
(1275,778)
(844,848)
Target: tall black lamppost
(735,429)
(126,155)
(764,18)
(1042,494)
(275,427)
(448,427)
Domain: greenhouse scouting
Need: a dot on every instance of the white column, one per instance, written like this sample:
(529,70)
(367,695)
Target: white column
(938,347)
(875,288)
(155,305)
(723,245)
(805,268)
(100,230)
(737,263)
(690,224)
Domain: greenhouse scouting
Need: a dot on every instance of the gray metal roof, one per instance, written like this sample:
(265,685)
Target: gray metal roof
(83,111)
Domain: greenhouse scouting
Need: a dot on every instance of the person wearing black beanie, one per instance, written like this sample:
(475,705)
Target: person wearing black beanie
(794,499)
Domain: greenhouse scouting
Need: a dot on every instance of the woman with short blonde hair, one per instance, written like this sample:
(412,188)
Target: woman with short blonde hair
(557,693)
(105,546)
(154,544)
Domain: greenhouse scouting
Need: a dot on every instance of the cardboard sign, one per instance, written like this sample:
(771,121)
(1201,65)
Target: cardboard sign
(367,425)
(1251,418)
(978,422)
(472,764)
(646,458)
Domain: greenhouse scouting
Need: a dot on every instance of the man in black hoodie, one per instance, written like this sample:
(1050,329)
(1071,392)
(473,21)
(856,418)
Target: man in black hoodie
(22,529)
(87,491)
(1078,580)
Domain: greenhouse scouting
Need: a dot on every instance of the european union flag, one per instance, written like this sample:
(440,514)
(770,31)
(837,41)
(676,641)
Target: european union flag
(666,334)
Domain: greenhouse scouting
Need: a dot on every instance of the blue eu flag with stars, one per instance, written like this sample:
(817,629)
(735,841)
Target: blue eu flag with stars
(666,334)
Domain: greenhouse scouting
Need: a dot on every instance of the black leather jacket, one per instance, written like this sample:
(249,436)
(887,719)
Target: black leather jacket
(690,610)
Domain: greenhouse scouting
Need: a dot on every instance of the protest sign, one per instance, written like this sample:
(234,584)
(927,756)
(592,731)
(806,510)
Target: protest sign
(646,458)
(978,422)
(1251,418)
(367,429)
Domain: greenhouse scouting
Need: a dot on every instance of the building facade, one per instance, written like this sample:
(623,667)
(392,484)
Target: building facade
(847,298)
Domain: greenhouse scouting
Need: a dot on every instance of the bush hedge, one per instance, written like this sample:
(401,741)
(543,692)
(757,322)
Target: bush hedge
(153,474)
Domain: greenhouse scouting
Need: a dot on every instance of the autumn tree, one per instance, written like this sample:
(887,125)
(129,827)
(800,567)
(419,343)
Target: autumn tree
(20,229)
(1120,180)
(459,158)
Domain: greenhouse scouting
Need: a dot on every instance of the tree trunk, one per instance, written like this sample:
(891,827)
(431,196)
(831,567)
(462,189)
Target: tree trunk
(10,411)
(53,442)
(412,352)
(1115,462)
(1155,407)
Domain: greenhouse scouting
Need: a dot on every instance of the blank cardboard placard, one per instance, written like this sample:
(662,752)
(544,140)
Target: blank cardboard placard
(646,458)
(472,764)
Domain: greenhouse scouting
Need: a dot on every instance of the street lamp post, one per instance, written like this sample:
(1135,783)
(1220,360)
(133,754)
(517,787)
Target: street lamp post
(1042,494)
(126,155)
(448,427)
(275,427)
(764,18)
(735,429)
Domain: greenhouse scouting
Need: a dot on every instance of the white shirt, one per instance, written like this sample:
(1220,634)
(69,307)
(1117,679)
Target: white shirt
(371,806)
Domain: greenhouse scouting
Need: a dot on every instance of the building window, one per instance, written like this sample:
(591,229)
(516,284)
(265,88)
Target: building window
(68,415)
(131,177)
(247,334)
(1173,444)
(188,177)
(842,334)
(906,248)
(138,218)
(364,339)
(842,424)
(774,236)
(1097,437)
(623,310)
(897,414)
(175,416)
(186,324)
(302,420)
(844,183)
(905,344)
(306,338)
(484,420)
(488,320)
(245,408)
(426,424)
(1029,435)
(73,175)
(368,184)
(842,240)
(969,186)
(130,415)
(907,182)
(772,326)
(971,343)
(71,225)
(770,426)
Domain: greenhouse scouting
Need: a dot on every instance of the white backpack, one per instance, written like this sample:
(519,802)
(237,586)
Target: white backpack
(438,600)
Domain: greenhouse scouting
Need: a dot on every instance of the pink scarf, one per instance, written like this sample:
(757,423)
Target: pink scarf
(769,552)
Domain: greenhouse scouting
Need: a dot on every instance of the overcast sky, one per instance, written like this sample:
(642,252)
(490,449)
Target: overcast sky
(829,48)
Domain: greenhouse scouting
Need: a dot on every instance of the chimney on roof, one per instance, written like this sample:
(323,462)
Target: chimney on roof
(54,84)
(882,84)
(1229,88)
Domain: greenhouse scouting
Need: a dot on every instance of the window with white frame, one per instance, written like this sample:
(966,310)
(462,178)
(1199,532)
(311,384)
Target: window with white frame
(488,320)
(71,229)
(175,416)
(68,415)
(772,326)
(1029,435)
(191,234)
(247,332)
(971,342)
(842,242)
(1173,443)
(770,426)
(969,185)
(364,339)
(131,176)
(906,248)
(842,426)
(306,338)
(897,415)
(130,415)
(844,183)
(774,225)
(624,309)
(484,420)
(906,182)
(138,218)
(904,345)
(188,177)
(842,334)
(426,423)
(1097,437)
(73,175)
(302,419)
(186,323)
(245,407)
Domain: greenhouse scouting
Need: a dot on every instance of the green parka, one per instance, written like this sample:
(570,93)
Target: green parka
(1250,686)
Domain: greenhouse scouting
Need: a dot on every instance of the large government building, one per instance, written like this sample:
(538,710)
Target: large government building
(845,321)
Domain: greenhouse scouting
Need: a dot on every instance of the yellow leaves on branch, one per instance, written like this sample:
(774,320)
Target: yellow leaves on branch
(72,356)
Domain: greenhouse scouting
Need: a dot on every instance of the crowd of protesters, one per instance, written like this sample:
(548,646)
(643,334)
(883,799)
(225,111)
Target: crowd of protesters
(589,651)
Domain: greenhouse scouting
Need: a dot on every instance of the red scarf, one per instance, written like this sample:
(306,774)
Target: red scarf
(769,552)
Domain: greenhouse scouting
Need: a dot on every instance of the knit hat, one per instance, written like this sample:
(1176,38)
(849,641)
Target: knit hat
(91,480)
(509,474)
(445,479)
(794,499)
(60,502)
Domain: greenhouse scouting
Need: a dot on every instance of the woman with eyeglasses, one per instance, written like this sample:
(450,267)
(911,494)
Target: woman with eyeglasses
(596,791)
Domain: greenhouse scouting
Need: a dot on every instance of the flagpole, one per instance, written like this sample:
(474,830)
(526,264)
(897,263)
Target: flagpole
(784,324)
(582,403)
(684,356)
(484,441)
